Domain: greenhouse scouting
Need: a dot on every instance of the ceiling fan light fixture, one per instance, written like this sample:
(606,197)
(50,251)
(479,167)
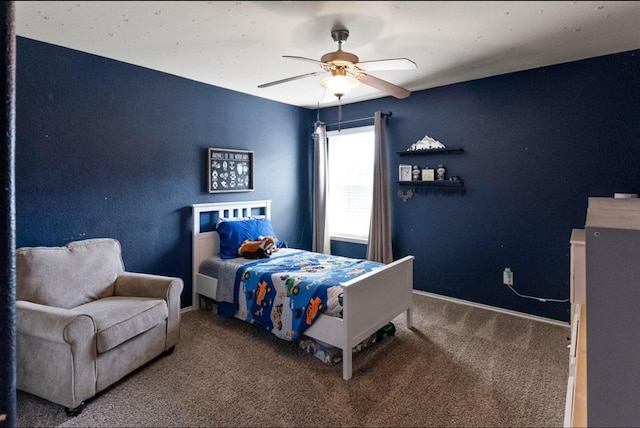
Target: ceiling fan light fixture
(347,71)
(340,85)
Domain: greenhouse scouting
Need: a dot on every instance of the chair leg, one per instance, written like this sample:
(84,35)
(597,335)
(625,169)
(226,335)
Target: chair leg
(72,412)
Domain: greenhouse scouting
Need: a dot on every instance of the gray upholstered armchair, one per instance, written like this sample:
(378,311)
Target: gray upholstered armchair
(83,323)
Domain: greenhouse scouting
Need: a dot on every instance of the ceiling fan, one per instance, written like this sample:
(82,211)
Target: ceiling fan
(347,71)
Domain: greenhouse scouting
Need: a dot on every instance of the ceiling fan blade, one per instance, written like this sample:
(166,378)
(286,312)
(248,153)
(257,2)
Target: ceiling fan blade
(301,58)
(289,79)
(383,86)
(388,64)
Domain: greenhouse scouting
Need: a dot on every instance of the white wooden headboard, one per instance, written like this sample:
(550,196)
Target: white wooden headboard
(206,244)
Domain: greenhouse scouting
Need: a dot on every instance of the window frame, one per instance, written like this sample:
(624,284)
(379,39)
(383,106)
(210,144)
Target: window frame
(342,132)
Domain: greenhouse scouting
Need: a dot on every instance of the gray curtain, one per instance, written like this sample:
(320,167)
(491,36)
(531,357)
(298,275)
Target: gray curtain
(380,248)
(321,242)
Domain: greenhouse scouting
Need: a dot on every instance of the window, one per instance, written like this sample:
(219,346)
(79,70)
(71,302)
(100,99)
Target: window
(350,164)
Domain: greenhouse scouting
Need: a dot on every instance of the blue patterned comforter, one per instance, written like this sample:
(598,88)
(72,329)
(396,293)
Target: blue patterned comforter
(285,294)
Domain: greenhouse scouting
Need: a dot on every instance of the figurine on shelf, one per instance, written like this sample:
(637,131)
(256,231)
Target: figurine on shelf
(415,173)
(426,143)
(441,171)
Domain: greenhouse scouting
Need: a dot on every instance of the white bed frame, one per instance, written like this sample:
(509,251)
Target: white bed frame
(370,301)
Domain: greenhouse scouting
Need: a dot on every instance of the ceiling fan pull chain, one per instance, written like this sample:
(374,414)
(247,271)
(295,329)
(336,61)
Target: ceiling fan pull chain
(339,113)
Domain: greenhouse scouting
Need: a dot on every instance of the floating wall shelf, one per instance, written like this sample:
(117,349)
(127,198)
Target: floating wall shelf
(442,186)
(451,185)
(447,150)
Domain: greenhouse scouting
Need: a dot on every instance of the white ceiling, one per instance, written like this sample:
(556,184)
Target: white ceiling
(239,44)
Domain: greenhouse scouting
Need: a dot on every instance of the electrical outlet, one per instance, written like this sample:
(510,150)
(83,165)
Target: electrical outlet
(507,276)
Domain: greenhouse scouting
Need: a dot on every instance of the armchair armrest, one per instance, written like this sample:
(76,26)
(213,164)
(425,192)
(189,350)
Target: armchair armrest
(131,284)
(56,353)
(53,324)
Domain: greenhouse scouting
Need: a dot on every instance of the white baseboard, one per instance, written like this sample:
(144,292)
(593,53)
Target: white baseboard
(466,302)
(493,308)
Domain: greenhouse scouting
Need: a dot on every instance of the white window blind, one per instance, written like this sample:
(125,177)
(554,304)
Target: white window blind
(351,155)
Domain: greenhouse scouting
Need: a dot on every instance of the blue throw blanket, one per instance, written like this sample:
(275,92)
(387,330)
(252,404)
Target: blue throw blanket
(286,294)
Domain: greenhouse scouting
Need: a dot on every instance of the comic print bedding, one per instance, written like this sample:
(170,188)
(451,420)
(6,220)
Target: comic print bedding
(285,294)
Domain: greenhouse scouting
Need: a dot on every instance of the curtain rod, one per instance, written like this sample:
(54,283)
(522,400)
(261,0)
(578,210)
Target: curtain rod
(360,120)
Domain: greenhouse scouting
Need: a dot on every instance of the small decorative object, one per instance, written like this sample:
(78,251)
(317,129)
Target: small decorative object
(441,171)
(259,249)
(427,143)
(415,173)
(405,195)
(405,173)
(428,174)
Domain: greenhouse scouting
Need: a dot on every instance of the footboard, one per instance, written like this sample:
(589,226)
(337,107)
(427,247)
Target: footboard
(370,301)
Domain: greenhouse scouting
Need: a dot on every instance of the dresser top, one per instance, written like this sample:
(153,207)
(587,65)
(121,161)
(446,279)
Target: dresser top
(614,213)
(577,236)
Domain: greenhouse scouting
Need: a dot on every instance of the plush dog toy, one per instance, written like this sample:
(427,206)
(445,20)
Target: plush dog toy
(260,249)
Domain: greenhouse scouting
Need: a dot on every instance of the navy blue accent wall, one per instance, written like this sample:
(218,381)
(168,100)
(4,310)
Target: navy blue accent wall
(105,148)
(108,149)
(536,144)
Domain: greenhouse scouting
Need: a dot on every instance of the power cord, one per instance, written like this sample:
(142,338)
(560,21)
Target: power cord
(541,299)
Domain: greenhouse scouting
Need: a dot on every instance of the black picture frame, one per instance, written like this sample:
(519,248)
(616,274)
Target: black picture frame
(229,170)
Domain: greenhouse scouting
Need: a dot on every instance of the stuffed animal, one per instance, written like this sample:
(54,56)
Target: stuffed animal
(260,249)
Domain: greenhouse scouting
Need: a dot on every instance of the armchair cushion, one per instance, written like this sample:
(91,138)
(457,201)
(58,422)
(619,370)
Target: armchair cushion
(118,319)
(68,276)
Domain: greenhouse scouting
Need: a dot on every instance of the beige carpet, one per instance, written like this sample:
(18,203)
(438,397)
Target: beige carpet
(458,366)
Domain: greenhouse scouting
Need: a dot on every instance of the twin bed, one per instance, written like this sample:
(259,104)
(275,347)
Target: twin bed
(370,294)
